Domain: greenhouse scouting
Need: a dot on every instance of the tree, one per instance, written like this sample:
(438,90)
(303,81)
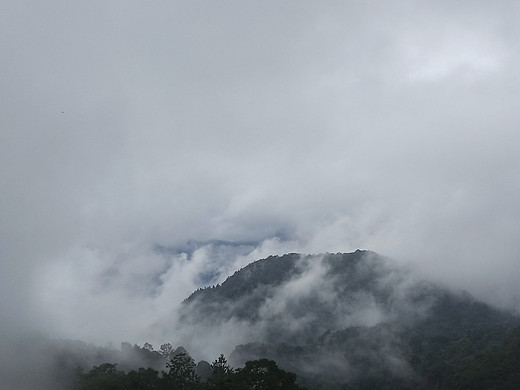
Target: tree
(104,377)
(166,350)
(181,372)
(143,379)
(264,374)
(222,375)
(221,368)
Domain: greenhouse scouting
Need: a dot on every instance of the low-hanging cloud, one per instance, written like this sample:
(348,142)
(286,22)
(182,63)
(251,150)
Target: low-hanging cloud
(301,128)
(321,312)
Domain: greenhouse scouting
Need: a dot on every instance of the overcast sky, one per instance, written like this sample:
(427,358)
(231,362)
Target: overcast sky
(300,126)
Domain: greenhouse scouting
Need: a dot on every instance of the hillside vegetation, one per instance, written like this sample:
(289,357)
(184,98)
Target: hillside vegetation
(322,322)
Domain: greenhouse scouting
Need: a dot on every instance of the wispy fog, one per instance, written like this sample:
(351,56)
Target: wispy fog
(315,296)
(149,149)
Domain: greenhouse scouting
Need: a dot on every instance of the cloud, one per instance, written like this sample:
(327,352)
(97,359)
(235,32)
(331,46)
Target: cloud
(331,309)
(304,128)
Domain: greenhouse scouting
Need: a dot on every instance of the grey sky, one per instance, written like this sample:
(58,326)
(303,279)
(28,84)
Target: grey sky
(304,126)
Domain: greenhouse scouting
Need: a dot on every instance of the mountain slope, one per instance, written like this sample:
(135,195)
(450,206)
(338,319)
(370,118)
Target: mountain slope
(352,319)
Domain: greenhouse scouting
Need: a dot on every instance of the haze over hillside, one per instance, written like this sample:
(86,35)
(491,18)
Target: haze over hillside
(346,320)
(149,150)
(358,314)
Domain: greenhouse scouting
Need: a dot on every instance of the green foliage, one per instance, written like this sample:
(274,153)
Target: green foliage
(222,375)
(181,372)
(427,338)
(258,375)
(480,360)
(143,379)
(497,368)
(104,377)
(221,368)
(264,374)
(166,351)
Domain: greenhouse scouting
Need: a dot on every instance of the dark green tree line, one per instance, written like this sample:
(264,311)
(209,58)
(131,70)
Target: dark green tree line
(181,375)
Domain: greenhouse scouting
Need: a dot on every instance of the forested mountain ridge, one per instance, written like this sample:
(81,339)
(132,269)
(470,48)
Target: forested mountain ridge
(349,319)
(338,321)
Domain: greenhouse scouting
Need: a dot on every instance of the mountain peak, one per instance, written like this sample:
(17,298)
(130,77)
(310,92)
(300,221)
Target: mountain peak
(359,312)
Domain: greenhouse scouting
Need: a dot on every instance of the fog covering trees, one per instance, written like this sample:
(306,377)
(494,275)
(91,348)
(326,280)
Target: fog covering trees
(324,322)
(308,127)
(181,374)
(356,319)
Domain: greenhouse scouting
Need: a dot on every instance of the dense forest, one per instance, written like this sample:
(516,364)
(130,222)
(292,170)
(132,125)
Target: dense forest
(359,320)
(470,363)
(183,374)
(328,322)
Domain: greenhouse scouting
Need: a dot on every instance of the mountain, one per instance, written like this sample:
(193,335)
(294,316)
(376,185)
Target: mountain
(345,320)
(338,321)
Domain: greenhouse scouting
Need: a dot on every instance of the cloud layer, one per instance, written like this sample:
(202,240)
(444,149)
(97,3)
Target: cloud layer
(300,127)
